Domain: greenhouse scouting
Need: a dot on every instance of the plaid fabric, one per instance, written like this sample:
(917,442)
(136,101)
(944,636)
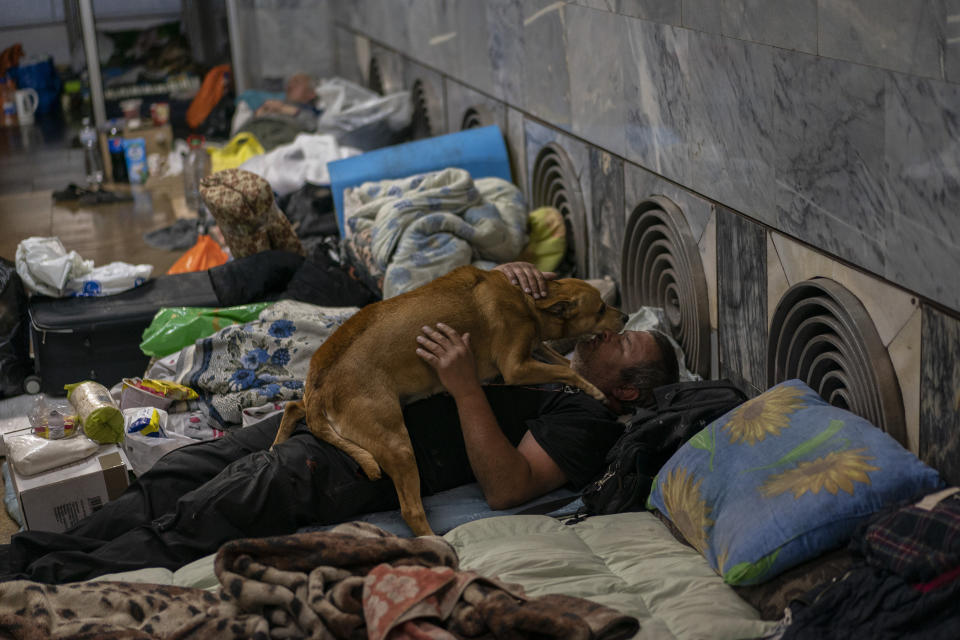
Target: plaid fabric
(915,543)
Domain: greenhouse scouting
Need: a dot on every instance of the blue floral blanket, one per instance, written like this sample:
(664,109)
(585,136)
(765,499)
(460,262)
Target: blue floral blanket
(409,231)
(248,366)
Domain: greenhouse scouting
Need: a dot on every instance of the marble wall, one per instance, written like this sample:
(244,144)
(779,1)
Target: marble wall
(833,121)
(799,137)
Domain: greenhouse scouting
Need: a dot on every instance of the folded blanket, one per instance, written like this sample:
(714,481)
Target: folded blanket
(354,581)
(407,232)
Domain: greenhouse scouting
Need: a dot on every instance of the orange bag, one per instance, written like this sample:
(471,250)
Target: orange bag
(208,96)
(202,256)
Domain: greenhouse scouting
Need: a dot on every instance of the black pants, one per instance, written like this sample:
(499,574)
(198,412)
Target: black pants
(198,497)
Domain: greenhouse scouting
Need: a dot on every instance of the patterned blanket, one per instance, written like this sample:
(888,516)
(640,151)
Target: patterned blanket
(354,581)
(407,232)
(245,366)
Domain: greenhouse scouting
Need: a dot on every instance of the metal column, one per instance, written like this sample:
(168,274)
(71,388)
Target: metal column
(237,57)
(93,62)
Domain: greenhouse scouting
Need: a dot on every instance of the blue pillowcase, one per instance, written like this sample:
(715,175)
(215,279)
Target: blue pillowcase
(781,479)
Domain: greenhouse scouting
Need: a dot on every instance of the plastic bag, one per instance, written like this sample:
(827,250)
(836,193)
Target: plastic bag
(203,255)
(360,117)
(174,328)
(109,279)
(32,454)
(54,418)
(241,148)
(137,392)
(45,266)
(147,438)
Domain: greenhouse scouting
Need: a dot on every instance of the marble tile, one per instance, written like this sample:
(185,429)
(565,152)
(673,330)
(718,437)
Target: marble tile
(703,15)
(596,43)
(538,136)
(922,152)
(789,24)
(657,108)
(640,184)
(606,223)
(517,149)
(708,256)
(831,185)
(902,36)
(729,86)
(432,31)
(473,36)
(546,79)
(904,352)
(432,82)
(940,394)
(393,68)
(701,113)
(304,28)
(951,62)
(924,261)
(741,301)
(460,97)
(663,11)
(777,279)
(889,307)
(349,65)
(505,50)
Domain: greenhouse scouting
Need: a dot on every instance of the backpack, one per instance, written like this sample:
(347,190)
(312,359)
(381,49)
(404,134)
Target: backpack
(653,435)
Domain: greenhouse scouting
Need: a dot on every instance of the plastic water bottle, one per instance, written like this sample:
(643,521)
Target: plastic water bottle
(91,154)
(196,165)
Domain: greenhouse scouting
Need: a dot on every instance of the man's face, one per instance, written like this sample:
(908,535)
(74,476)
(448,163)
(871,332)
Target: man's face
(601,359)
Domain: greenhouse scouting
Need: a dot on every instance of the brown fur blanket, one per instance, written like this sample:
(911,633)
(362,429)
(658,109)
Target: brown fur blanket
(355,581)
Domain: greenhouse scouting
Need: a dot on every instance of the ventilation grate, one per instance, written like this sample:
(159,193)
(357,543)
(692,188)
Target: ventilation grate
(422,96)
(822,334)
(476,116)
(375,79)
(555,184)
(661,267)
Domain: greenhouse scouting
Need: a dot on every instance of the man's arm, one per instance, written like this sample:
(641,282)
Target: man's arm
(507,475)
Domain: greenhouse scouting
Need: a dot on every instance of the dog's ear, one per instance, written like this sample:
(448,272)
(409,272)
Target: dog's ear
(559,308)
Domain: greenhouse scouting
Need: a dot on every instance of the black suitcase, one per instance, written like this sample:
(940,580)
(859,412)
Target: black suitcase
(76,339)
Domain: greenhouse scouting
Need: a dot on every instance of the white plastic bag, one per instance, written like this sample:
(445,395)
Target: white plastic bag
(290,166)
(109,279)
(45,266)
(348,106)
(32,454)
(147,437)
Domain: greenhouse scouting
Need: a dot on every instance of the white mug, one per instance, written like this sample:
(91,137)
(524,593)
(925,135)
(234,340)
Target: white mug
(27,101)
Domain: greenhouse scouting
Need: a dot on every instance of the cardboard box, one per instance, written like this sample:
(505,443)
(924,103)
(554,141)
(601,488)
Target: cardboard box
(57,499)
(158,140)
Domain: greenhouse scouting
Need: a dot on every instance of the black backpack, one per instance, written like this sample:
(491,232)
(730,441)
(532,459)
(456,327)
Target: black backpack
(651,437)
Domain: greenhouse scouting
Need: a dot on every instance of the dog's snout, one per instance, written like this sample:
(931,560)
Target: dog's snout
(623,318)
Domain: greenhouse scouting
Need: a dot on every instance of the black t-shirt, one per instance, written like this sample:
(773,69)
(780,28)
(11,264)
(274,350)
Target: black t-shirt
(575,430)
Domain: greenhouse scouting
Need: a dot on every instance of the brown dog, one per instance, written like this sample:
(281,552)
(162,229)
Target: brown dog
(363,373)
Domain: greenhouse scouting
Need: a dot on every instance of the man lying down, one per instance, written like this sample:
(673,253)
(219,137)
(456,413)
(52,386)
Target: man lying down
(517,443)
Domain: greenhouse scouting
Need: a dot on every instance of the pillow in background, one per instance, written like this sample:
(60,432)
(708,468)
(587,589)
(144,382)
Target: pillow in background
(781,479)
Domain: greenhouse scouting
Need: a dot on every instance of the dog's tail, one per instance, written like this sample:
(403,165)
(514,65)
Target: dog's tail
(322,428)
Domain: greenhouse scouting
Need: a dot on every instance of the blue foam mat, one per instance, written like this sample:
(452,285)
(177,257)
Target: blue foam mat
(481,152)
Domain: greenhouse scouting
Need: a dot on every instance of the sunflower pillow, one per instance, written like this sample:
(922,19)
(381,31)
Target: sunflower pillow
(781,479)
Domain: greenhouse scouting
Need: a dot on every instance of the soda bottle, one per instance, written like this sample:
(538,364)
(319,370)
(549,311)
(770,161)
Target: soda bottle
(196,165)
(91,154)
(118,162)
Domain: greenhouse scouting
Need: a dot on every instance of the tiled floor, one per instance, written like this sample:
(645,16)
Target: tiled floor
(38,159)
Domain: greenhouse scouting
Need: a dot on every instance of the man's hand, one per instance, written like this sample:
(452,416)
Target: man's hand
(450,355)
(527,277)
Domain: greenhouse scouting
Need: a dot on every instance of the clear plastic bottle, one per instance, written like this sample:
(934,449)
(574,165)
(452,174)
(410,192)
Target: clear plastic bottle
(196,165)
(92,161)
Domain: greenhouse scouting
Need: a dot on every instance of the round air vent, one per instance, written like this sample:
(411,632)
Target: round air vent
(423,100)
(661,267)
(476,116)
(375,77)
(555,184)
(822,334)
